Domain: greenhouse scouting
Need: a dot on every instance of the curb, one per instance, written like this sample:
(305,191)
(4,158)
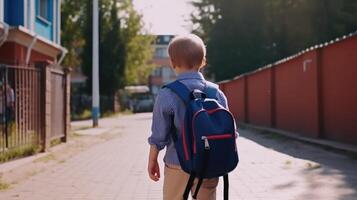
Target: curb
(13,164)
(348,148)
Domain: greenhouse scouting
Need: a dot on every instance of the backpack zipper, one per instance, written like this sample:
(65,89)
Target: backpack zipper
(206,142)
(193,125)
(214,137)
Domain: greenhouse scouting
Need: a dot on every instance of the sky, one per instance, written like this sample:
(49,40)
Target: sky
(165,17)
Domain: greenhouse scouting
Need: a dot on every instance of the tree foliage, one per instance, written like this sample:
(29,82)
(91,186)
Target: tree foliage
(71,34)
(124,50)
(243,35)
(138,47)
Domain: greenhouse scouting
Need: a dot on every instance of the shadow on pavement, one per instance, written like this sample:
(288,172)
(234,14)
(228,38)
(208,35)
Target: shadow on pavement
(330,163)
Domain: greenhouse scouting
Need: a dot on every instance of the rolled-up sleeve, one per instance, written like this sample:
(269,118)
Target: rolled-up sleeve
(224,102)
(161,122)
(222,99)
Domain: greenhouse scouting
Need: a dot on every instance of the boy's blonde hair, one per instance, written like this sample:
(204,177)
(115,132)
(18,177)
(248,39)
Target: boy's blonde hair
(187,50)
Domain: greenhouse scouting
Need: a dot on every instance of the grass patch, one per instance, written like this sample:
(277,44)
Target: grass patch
(112,114)
(108,114)
(55,142)
(46,159)
(126,112)
(86,114)
(14,138)
(74,135)
(18,152)
(4,186)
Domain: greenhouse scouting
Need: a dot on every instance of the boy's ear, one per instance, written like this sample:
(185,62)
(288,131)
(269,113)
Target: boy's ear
(203,62)
(172,63)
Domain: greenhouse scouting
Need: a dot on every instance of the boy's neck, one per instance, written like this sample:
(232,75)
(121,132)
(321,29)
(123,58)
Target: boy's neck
(184,71)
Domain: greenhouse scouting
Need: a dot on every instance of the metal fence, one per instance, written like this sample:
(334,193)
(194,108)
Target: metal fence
(312,93)
(20,107)
(34,108)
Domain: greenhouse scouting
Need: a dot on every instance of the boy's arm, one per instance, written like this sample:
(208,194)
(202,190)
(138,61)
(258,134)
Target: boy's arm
(153,165)
(224,102)
(222,99)
(161,120)
(161,126)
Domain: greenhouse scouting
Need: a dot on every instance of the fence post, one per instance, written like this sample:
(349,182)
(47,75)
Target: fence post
(272,97)
(67,103)
(320,111)
(246,99)
(45,104)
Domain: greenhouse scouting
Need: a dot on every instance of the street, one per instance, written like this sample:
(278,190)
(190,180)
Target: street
(271,167)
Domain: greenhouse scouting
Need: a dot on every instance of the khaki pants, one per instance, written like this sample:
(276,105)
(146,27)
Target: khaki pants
(175,180)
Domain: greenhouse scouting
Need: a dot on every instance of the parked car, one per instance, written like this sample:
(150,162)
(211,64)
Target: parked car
(140,99)
(143,104)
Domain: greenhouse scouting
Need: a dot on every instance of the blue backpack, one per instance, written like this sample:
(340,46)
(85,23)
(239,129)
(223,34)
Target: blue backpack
(206,148)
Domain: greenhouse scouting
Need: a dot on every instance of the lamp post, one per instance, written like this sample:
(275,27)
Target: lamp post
(95,64)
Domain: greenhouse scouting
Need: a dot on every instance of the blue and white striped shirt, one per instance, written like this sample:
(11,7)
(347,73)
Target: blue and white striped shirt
(167,104)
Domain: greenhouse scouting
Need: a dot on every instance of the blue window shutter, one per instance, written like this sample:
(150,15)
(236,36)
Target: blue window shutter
(14,12)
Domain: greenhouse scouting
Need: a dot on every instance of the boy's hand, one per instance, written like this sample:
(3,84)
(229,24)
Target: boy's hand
(154,170)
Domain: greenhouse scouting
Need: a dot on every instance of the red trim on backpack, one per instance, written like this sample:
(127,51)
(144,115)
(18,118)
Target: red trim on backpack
(218,137)
(184,142)
(193,130)
(193,124)
(214,110)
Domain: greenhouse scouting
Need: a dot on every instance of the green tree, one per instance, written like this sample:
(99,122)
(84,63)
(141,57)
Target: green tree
(71,34)
(112,49)
(236,41)
(243,35)
(137,47)
(206,15)
(124,50)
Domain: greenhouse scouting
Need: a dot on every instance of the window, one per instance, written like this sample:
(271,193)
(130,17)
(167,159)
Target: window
(161,52)
(167,72)
(43,9)
(157,72)
(166,38)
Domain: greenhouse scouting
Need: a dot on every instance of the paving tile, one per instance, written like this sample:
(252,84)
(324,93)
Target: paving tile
(270,169)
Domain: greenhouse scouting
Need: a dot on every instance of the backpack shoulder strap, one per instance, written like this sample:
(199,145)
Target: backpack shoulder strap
(225,187)
(180,89)
(211,90)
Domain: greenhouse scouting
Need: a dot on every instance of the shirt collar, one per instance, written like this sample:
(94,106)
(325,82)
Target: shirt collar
(190,75)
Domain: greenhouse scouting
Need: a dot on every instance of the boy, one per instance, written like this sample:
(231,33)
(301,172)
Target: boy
(187,55)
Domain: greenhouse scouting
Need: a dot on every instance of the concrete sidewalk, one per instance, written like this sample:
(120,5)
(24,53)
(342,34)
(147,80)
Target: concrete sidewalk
(271,168)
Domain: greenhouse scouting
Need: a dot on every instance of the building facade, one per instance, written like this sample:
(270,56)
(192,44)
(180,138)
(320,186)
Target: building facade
(162,73)
(30,31)
(34,88)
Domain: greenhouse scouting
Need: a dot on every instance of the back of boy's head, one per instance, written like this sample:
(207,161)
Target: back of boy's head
(187,50)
